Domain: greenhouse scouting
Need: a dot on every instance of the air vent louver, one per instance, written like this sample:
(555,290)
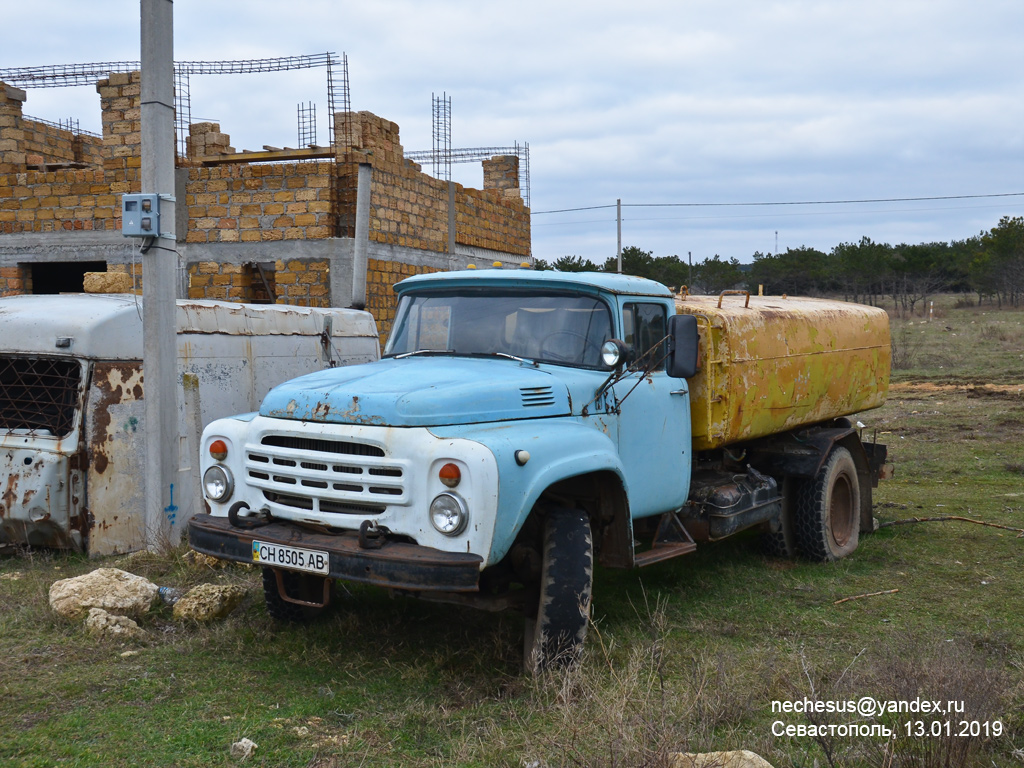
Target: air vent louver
(534,396)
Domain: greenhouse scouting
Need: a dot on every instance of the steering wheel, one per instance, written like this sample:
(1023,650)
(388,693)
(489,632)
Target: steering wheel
(571,358)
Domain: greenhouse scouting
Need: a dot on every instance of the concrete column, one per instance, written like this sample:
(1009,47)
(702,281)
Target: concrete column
(451,225)
(362,236)
(160,265)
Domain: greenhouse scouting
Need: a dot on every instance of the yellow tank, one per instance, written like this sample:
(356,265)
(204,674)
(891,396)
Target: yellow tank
(772,363)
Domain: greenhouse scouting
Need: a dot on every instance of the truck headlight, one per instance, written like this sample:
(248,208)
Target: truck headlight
(449,514)
(217,483)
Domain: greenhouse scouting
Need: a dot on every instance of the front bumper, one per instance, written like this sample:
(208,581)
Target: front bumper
(396,565)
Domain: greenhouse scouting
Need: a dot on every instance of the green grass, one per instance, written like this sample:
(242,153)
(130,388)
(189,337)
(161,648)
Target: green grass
(686,655)
(960,344)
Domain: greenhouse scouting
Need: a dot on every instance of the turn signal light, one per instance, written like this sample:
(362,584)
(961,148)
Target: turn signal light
(219,450)
(450,475)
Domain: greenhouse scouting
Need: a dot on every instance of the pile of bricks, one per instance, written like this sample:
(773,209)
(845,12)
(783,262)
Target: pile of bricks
(206,139)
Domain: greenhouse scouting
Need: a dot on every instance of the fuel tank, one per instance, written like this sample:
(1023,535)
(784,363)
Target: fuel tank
(769,364)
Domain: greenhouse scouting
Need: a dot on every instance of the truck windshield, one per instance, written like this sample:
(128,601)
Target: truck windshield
(545,327)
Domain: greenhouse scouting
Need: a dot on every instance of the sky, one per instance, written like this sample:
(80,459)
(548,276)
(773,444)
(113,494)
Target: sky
(687,111)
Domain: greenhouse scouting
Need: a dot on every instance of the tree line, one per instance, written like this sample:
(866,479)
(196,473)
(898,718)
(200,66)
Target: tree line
(990,265)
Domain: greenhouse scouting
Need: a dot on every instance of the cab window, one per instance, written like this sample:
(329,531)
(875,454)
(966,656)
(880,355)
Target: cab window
(643,327)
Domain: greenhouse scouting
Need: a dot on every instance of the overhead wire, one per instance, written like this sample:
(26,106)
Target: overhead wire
(781,203)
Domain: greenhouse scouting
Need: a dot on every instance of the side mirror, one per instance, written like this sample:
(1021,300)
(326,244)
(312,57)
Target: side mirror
(683,361)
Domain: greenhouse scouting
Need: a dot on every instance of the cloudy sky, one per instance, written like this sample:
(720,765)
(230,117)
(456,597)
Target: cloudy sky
(682,110)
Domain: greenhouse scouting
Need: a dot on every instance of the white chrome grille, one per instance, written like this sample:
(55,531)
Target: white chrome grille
(327,476)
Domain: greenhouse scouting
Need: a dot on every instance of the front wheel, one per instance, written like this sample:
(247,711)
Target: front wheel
(555,636)
(828,510)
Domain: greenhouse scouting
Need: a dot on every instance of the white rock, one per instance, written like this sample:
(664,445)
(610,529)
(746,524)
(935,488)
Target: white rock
(208,601)
(99,622)
(739,759)
(243,749)
(111,589)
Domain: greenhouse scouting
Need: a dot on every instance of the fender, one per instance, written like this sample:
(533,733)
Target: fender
(569,447)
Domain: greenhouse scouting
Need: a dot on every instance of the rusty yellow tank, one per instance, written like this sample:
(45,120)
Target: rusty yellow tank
(772,363)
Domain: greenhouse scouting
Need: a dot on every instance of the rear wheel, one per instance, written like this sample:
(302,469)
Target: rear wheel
(554,637)
(828,509)
(299,586)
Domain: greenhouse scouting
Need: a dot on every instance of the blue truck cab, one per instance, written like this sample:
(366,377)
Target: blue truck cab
(520,426)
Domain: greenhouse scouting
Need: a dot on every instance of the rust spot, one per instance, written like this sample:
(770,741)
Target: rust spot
(110,381)
(10,495)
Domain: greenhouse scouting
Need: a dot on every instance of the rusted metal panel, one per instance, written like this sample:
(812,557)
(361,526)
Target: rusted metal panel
(781,363)
(115,450)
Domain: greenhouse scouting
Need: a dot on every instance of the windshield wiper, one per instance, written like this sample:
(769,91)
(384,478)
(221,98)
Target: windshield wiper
(423,352)
(506,355)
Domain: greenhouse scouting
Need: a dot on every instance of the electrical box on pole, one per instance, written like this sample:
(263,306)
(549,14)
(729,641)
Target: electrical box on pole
(140,215)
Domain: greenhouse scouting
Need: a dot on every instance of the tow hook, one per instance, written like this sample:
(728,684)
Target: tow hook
(371,535)
(261,518)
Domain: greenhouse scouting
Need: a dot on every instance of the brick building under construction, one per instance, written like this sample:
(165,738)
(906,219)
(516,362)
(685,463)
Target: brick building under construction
(276,225)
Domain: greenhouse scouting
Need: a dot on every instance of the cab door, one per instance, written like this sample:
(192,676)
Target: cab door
(654,415)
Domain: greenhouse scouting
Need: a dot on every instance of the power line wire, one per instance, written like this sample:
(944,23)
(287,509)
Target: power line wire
(796,202)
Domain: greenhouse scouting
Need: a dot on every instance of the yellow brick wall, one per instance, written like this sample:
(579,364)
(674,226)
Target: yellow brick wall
(63,200)
(24,141)
(301,282)
(409,208)
(381,300)
(14,280)
(121,105)
(254,203)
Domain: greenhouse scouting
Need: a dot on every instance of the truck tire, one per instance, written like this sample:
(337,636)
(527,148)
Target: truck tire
(555,637)
(828,509)
(300,586)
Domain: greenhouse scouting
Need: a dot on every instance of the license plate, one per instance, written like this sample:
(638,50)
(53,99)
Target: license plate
(293,558)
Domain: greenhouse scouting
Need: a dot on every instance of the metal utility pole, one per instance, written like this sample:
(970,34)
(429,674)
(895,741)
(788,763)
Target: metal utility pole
(618,221)
(160,348)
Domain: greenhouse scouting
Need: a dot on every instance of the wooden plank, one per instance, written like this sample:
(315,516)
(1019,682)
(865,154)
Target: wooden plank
(267,157)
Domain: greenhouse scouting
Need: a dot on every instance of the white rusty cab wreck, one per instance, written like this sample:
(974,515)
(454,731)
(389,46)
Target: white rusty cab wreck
(72,416)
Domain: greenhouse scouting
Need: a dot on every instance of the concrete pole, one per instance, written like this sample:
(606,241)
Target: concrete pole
(159,277)
(361,245)
(618,223)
